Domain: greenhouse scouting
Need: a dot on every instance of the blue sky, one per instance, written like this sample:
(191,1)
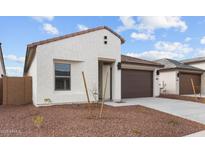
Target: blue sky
(146,37)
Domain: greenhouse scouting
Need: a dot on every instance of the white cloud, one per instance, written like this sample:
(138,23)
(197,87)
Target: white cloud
(50,29)
(162,22)
(128,23)
(14,71)
(47,27)
(82,27)
(14,58)
(173,50)
(154,54)
(202,41)
(200,52)
(142,36)
(43,18)
(176,47)
(144,27)
(187,39)
(151,23)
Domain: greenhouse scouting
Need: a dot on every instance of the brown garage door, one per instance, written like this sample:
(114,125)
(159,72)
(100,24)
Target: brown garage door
(136,83)
(185,83)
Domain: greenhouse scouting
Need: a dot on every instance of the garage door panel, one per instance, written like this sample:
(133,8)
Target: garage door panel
(185,86)
(137,83)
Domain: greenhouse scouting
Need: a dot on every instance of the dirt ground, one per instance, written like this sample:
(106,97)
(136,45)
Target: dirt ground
(74,120)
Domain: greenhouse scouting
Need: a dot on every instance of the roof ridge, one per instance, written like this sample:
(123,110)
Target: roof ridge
(193,60)
(139,59)
(73,35)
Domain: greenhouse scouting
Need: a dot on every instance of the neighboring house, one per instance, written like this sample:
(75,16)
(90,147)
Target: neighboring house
(198,62)
(175,77)
(2,66)
(56,67)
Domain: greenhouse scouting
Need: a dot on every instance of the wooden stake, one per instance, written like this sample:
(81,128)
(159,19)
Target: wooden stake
(86,89)
(103,99)
(193,87)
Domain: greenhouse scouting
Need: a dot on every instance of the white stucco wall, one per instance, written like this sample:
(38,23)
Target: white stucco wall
(33,72)
(171,80)
(201,65)
(156,83)
(1,61)
(1,70)
(82,52)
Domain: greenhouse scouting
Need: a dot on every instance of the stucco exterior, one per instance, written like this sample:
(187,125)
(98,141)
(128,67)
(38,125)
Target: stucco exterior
(82,52)
(171,82)
(2,66)
(1,70)
(33,72)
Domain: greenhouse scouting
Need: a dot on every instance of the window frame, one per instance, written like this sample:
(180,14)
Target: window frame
(67,77)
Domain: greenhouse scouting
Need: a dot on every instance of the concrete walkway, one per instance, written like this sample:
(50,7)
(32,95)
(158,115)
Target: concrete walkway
(197,134)
(185,109)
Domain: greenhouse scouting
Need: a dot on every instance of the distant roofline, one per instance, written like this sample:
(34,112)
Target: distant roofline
(183,69)
(176,66)
(139,61)
(193,60)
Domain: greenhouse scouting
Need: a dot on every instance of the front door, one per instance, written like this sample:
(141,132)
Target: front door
(105,71)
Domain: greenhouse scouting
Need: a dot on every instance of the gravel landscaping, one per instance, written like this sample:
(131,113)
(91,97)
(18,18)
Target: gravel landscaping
(75,120)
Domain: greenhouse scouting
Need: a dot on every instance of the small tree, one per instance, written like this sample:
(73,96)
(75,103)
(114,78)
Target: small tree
(94,93)
(38,121)
(47,100)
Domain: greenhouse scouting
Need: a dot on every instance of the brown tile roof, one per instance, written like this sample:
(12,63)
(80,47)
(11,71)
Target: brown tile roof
(31,48)
(2,60)
(133,60)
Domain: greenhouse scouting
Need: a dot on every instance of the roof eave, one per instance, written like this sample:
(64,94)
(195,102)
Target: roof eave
(29,58)
(155,65)
(185,69)
(2,60)
(76,34)
(194,62)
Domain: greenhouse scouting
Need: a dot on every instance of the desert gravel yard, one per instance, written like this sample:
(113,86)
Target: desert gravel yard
(74,120)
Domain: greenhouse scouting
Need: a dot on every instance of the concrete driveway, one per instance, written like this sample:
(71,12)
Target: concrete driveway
(185,109)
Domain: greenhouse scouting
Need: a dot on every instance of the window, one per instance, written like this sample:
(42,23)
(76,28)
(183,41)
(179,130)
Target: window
(62,76)
(105,37)
(105,42)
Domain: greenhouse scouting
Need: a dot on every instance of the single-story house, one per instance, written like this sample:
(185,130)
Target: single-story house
(56,67)
(175,77)
(198,62)
(2,66)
